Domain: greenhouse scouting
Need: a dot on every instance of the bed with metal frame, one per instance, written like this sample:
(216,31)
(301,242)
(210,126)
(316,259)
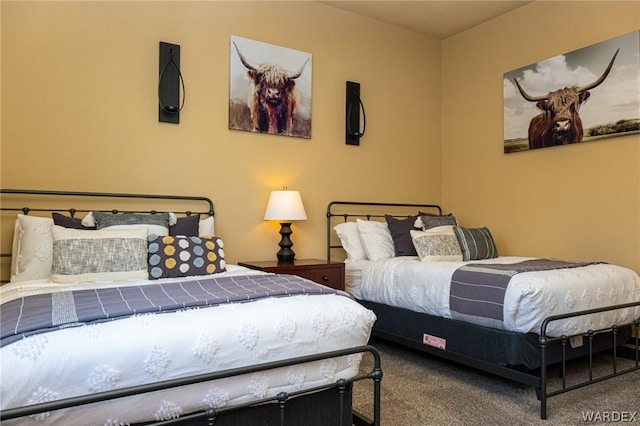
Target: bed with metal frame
(498,352)
(326,404)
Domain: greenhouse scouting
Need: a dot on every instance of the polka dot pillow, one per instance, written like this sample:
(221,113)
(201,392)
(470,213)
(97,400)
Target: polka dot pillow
(181,256)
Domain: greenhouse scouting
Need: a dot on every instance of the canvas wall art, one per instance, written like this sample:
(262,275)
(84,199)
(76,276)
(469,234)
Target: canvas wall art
(588,94)
(269,88)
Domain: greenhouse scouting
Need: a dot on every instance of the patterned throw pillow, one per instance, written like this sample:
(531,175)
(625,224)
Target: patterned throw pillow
(439,244)
(179,256)
(86,256)
(476,243)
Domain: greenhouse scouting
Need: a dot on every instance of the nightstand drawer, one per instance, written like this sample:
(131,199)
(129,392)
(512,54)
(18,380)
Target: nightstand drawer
(331,277)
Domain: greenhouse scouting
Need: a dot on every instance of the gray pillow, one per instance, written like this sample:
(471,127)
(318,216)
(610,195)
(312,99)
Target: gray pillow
(89,256)
(432,220)
(104,220)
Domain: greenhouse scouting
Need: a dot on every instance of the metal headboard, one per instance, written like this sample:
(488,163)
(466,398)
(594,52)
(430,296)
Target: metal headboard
(369,210)
(40,197)
(73,211)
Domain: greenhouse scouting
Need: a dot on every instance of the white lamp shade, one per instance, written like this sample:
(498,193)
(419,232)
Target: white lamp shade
(285,206)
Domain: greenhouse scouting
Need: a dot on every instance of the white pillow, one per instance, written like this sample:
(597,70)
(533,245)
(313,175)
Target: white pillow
(206,227)
(376,239)
(437,244)
(14,248)
(103,255)
(89,221)
(350,239)
(32,248)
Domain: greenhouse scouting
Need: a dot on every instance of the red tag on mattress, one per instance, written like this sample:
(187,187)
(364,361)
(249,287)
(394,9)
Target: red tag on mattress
(430,340)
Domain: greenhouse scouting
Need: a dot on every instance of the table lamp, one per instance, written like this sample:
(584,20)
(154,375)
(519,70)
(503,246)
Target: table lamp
(285,206)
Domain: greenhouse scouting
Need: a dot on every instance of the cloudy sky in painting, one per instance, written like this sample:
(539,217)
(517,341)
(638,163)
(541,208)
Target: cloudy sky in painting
(618,97)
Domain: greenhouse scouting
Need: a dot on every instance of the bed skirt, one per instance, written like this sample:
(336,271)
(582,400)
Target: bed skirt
(498,347)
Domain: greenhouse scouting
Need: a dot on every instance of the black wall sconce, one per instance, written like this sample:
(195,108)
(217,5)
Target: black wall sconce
(353,107)
(169,84)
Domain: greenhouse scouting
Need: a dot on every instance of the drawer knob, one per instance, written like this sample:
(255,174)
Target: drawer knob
(325,278)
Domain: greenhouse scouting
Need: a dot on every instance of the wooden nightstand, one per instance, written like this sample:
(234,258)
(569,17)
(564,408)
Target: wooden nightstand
(330,274)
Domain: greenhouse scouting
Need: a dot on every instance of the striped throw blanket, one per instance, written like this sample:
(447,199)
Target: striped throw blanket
(41,313)
(478,289)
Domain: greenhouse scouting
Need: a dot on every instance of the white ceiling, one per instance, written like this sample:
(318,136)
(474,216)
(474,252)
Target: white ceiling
(439,19)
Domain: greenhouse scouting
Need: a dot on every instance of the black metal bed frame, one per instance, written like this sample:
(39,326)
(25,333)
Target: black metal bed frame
(367,216)
(72,211)
(209,416)
(536,379)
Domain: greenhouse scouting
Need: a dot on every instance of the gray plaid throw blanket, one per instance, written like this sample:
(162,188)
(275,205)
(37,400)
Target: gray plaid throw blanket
(477,289)
(41,313)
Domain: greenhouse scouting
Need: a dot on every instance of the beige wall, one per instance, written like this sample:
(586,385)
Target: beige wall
(79,110)
(580,202)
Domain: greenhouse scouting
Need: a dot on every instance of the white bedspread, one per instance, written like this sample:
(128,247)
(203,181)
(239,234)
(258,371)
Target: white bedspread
(407,282)
(149,348)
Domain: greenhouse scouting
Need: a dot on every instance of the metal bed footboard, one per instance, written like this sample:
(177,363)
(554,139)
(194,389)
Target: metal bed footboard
(209,415)
(546,340)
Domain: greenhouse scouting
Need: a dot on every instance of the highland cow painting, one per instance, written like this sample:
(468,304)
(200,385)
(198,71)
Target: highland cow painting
(270,89)
(584,95)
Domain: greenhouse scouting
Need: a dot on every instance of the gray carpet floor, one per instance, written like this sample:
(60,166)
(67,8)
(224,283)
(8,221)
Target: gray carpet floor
(418,389)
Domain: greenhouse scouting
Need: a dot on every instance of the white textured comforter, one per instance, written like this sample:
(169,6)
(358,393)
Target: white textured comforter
(148,348)
(408,283)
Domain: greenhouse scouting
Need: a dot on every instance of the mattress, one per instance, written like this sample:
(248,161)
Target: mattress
(530,297)
(147,348)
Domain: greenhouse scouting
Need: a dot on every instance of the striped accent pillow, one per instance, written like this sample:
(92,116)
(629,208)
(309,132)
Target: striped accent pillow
(89,256)
(427,221)
(476,243)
